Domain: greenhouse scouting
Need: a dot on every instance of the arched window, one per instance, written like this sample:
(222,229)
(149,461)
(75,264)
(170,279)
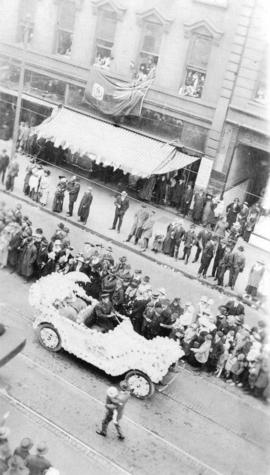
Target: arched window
(65,27)
(26,17)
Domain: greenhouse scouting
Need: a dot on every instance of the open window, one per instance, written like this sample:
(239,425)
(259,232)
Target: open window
(202,35)
(150,46)
(196,67)
(65,27)
(105,34)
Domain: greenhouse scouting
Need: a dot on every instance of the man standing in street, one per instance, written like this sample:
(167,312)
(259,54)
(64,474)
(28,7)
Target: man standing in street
(13,171)
(4,162)
(188,239)
(115,404)
(73,188)
(140,217)
(238,262)
(121,205)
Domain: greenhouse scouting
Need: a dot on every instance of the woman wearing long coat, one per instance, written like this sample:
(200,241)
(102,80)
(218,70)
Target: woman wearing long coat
(199,201)
(254,278)
(84,207)
(29,255)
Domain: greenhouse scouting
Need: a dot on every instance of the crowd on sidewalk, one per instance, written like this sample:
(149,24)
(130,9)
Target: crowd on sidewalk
(210,240)
(221,343)
(21,461)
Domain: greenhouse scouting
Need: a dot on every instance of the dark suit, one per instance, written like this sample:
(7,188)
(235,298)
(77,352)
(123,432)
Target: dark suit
(121,206)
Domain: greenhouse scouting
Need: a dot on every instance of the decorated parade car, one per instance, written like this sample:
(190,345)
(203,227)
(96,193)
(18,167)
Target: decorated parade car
(12,342)
(118,352)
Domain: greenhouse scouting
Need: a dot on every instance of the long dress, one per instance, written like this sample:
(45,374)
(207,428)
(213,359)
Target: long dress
(84,207)
(199,200)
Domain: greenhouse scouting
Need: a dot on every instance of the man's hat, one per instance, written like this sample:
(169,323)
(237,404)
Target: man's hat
(112,391)
(155,293)
(240,248)
(61,226)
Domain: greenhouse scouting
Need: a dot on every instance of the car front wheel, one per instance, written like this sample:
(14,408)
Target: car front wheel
(140,384)
(49,337)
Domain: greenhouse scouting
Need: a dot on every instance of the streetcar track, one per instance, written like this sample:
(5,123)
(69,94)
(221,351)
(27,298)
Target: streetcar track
(195,461)
(187,406)
(75,441)
(154,434)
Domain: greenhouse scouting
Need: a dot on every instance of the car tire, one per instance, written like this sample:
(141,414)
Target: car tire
(49,337)
(141,385)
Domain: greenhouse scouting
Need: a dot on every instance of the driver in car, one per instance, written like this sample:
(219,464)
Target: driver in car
(102,314)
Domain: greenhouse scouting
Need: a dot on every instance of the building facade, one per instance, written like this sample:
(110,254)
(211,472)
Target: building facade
(209,57)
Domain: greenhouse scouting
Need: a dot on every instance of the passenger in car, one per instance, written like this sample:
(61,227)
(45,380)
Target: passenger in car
(102,314)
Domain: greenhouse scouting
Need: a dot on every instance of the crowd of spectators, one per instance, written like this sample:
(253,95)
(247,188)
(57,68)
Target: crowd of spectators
(21,460)
(216,341)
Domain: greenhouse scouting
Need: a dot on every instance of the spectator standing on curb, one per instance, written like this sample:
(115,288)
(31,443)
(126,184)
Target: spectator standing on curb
(140,217)
(188,239)
(73,188)
(84,207)
(147,230)
(121,206)
(4,162)
(232,211)
(44,188)
(238,262)
(59,195)
(207,256)
(255,276)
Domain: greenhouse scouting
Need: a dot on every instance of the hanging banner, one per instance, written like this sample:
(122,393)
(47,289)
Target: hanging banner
(114,98)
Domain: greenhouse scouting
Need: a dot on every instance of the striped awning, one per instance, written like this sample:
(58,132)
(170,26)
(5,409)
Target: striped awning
(111,145)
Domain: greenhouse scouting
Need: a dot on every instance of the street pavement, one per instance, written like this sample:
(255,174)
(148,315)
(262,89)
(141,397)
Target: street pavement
(197,425)
(101,217)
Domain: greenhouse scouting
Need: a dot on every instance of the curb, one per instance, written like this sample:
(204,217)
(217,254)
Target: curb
(126,247)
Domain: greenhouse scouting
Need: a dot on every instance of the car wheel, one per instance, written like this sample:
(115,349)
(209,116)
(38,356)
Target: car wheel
(140,384)
(49,337)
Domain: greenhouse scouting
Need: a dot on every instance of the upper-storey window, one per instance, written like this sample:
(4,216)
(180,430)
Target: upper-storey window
(26,17)
(150,46)
(262,87)
(65,27)
(105,34)
(196,66)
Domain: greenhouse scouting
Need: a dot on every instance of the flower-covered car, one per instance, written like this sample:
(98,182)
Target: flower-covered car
(118,352)
(11,343)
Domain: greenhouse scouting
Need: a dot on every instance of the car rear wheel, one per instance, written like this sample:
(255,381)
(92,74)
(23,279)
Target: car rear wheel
(140,384)
(49,337)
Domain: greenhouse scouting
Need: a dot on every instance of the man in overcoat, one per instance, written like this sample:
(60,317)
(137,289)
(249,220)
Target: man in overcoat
(73,188)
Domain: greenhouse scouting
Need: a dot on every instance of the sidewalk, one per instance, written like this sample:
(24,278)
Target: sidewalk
(101,217)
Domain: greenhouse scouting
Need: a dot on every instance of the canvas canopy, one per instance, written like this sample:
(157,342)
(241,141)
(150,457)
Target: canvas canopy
(111,145)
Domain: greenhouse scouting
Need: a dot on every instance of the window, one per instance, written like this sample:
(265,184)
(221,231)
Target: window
(27,11)
(149,55)
(105,33)
(65,27)
(196,68)
(262,87)
(44,86)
